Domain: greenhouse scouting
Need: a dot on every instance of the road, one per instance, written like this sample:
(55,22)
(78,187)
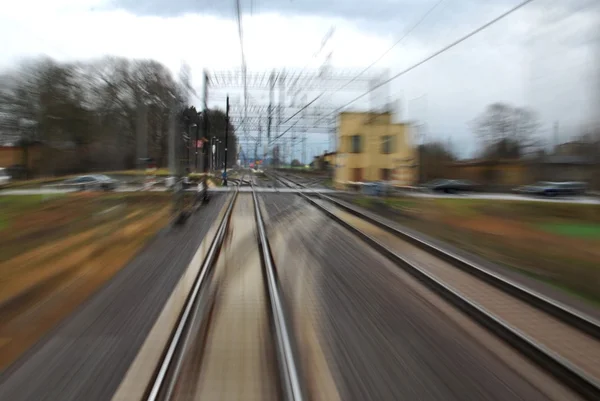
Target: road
(498,196)
(575,200)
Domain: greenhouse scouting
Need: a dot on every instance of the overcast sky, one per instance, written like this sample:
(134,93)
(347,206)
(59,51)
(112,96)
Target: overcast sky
(543,56)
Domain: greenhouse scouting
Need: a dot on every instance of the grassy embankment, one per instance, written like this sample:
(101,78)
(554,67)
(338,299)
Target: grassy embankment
(55,252)
(558,243)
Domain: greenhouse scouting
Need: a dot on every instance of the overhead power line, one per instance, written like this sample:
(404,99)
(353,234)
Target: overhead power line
(432,56)
(385,53)
(402,38)
(244,67)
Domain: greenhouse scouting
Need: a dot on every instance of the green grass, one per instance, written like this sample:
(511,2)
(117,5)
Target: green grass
(557,267)
(77,213)
(578,230)
(328,183)
(13,206)
(364,201)
(536,212)
(459,207)
(399,203)
(161,172)
(544,258)
(19,202)
(36,182)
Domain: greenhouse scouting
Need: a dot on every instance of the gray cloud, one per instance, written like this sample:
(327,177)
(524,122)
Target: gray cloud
(383,17)
(352,9)
(536,65)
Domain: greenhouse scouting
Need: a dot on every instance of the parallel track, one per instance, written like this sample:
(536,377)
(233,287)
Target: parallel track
(197,313)
(564,370)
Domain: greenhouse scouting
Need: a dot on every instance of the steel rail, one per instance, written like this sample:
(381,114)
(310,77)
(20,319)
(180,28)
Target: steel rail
(562,369)
(286,354)
(574,318)
(163,383)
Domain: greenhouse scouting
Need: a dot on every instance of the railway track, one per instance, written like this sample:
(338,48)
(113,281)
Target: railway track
(233,338)
(560,340)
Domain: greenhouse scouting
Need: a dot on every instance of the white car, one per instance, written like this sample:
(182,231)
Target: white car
(4,177)
(86,182)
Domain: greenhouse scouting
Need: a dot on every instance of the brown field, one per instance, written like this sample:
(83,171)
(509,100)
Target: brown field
(54,253)
(554,242)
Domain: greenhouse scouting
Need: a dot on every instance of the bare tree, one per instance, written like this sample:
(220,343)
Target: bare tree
(87,114)
(506,131)
(434,158)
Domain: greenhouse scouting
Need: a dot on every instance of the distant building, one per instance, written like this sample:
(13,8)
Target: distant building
(496,174)
(14,155)
(372,148)
(575,148)
(324,162)
(504,174)
(569,168)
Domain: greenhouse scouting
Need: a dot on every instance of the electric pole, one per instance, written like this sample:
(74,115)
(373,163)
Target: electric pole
(172,142)
(142,134)
(258,142)
(196,143)
(205,134)
(304,149)
(281,100)
(226,137)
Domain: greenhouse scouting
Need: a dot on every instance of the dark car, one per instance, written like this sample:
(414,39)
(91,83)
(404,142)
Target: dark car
(573,188)
(547,188)
(17,171)
(449,186)
(94,182)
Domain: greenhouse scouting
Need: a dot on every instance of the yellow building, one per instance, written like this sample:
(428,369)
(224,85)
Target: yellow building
(372,148)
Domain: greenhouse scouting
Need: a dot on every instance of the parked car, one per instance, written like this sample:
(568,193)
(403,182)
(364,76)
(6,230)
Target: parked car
(94,182)
(4,177)
(379,188)
(547,188)
(573,187)
(449,186)
(17,172)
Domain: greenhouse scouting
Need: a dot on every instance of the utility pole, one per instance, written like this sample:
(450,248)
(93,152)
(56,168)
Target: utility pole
(205,132)
(304,148)
(226,137)
(174,162)
(196,143)
(270,111)
(281,101)
(304,132)
(185,147)
(293,146)
(172,143)
(258,142)
(142,134)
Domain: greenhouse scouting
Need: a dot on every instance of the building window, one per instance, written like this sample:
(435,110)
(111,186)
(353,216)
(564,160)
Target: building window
(385,174)
(357,175)
(387,144)
(356,144)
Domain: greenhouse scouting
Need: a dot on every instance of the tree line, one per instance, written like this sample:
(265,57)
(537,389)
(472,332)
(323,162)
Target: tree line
(505,132)
(87,116)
